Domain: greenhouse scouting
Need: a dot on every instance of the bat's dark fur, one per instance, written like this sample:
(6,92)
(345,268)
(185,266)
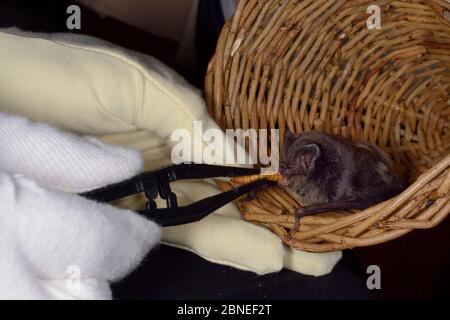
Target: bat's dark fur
(326,173)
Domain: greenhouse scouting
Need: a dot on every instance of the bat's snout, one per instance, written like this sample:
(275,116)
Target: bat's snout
(284,181)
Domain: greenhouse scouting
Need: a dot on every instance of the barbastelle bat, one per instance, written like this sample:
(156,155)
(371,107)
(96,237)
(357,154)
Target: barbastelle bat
(326,172)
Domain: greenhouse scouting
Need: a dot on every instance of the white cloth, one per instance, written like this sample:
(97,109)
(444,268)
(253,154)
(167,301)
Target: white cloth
(55,244)
(91,87)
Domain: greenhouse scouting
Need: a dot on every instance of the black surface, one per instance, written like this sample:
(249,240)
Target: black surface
(38,16)
(171,273)
(209,25)
(51,16)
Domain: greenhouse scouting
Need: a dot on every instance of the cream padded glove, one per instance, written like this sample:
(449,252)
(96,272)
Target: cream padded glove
(91,87)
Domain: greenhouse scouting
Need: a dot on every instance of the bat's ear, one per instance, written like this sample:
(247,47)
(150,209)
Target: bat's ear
(289,137)
(308,155)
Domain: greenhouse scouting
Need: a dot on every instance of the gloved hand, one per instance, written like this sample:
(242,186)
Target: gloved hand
(54,243)
(87,86)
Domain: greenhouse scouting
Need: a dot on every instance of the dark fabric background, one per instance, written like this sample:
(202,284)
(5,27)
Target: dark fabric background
(170,273)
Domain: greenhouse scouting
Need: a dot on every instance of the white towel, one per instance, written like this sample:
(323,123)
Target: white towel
(55,244)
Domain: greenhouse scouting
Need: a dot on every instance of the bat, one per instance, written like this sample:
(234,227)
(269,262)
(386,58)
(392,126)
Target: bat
(325,172)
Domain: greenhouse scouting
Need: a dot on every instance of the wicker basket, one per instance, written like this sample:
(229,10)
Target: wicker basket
(315,65)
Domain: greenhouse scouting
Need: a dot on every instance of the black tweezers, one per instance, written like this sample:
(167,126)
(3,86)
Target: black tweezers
(154,183)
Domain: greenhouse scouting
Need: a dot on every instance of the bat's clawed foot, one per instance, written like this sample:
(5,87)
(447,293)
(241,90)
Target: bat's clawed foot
(299,213)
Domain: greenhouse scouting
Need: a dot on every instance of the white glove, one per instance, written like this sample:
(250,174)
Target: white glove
(54,243)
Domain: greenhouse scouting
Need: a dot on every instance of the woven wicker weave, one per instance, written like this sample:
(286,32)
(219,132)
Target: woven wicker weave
(314,64)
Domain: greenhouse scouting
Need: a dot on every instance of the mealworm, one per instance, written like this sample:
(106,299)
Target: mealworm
(248,179)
